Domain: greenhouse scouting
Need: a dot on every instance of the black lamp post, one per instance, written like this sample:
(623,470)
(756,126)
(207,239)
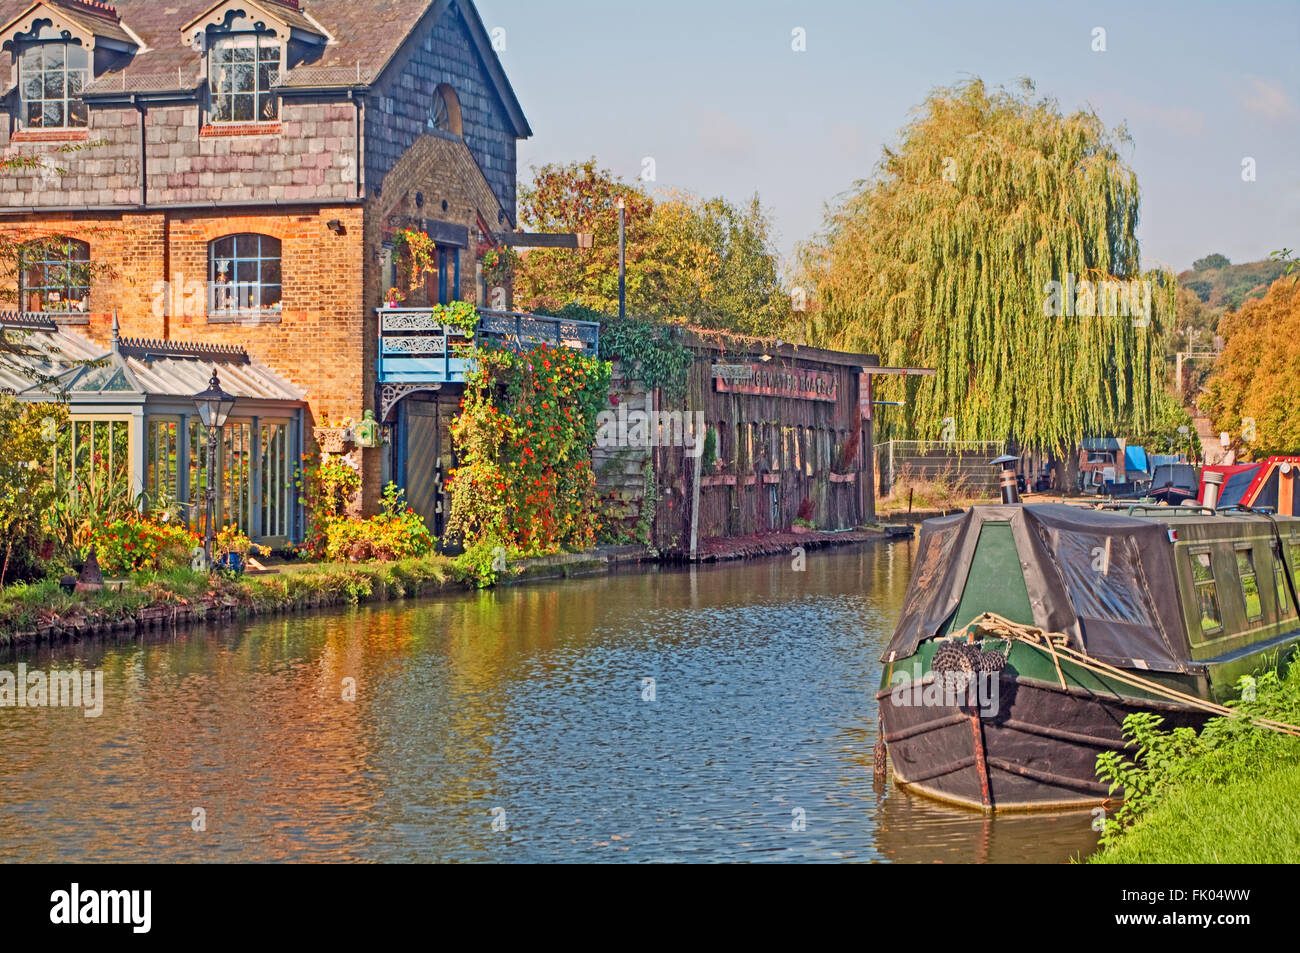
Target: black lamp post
(214,406)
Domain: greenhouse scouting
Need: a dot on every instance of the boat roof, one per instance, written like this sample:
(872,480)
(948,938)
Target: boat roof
(1127,614)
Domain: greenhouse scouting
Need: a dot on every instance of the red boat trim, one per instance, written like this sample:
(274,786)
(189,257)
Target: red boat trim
(981,759)
(977,728)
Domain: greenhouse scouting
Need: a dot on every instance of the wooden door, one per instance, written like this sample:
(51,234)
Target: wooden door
(427,457)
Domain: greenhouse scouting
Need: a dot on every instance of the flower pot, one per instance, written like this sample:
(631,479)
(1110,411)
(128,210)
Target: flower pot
(331,439)
(232,561)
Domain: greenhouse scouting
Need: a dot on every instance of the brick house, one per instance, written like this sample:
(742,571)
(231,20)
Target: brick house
(233,173)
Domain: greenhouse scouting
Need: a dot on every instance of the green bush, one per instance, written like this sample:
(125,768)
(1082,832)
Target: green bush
(398,532)
(480,564)
(1227,749)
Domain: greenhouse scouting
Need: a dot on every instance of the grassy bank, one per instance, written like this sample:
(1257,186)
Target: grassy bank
(42,610)
(1230,794)
(1251,821)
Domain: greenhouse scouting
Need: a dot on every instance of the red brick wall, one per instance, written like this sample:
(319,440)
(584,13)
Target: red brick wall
(322,341)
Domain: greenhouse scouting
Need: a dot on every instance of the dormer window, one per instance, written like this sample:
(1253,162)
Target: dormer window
(242,70)
(248,46)
(51,76)
(55,47)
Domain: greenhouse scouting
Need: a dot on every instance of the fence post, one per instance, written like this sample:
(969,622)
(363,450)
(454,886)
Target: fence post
(891,466)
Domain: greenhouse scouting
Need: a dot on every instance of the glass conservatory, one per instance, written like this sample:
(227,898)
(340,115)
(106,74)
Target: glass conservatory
(132,421)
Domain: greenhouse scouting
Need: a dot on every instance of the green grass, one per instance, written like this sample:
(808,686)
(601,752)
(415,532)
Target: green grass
(26,607)
(1254,820)
(1228,794)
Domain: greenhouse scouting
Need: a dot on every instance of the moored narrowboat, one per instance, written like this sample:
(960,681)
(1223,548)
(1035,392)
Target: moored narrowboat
(1030,631)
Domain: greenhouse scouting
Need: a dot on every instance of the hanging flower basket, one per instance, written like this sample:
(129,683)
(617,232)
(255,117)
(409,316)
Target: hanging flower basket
(332,439)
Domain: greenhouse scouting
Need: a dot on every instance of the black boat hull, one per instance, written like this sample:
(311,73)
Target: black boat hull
(1037,752)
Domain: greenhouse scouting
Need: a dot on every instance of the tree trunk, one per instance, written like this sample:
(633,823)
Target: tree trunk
(1067,471)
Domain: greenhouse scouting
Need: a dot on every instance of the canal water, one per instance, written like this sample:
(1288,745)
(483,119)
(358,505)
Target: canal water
(518,724)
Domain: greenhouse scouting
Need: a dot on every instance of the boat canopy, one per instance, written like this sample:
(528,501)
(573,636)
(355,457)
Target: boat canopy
(1104,580)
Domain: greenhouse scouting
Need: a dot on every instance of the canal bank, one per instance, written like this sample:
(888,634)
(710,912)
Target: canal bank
(1225,795)
(46,613)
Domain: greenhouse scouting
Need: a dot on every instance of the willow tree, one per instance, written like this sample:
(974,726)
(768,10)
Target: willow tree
(946,258)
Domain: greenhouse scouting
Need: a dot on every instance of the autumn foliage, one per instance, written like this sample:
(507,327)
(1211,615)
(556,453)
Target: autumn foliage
(709,262)
(1257,377)
(524,438)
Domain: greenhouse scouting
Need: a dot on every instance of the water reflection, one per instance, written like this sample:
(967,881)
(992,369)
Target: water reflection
(530,700)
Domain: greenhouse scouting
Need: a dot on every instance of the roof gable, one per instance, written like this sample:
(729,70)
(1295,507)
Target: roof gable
(281,17)
(87,21)
(353,41)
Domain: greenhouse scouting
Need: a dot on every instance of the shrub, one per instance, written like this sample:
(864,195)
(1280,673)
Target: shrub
(397,532)
(1226,749)
(479,564)
(131,545)
(26,483)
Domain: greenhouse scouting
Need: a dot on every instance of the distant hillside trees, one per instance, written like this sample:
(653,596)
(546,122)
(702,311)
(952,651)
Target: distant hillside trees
(1214,261)
(1221,284)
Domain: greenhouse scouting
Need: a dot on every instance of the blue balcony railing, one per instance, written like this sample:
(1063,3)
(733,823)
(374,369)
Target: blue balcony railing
(416,348)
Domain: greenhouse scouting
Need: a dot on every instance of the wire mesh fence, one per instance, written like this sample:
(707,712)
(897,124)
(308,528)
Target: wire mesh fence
(963,462)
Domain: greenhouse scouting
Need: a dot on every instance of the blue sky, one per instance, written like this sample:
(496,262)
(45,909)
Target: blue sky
(714,93)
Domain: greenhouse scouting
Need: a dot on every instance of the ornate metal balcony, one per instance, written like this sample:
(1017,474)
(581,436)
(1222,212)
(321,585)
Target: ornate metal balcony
(416,348)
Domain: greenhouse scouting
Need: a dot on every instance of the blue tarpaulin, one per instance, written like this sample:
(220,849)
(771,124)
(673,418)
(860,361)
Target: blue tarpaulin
(1135,459)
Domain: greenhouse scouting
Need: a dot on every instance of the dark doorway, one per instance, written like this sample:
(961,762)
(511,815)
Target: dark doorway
(424,457)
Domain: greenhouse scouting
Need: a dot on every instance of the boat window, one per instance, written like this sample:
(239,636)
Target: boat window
(1249,584)
(1206,596)
(1279,579)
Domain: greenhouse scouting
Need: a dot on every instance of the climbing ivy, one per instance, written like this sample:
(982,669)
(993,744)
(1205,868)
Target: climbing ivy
(523,438)
(661,360)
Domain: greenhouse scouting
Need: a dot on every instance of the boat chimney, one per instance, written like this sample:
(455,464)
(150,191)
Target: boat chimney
(1007,478)
(1212,483)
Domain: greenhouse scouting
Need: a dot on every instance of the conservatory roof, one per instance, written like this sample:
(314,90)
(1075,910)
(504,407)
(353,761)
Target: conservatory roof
(47,359)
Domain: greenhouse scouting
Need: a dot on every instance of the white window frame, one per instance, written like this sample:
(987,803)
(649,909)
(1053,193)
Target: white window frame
(258,43)
(66,99)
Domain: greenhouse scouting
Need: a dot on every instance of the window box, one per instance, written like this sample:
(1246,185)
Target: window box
(240,129)
(50,135)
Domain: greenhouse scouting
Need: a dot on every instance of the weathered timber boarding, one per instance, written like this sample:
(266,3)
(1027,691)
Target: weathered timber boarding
(785,429)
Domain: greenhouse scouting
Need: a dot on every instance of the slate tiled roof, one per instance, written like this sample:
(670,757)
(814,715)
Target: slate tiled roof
(365,36)
(165,369)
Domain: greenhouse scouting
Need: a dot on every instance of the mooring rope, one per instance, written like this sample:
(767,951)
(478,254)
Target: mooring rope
(1000,627)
